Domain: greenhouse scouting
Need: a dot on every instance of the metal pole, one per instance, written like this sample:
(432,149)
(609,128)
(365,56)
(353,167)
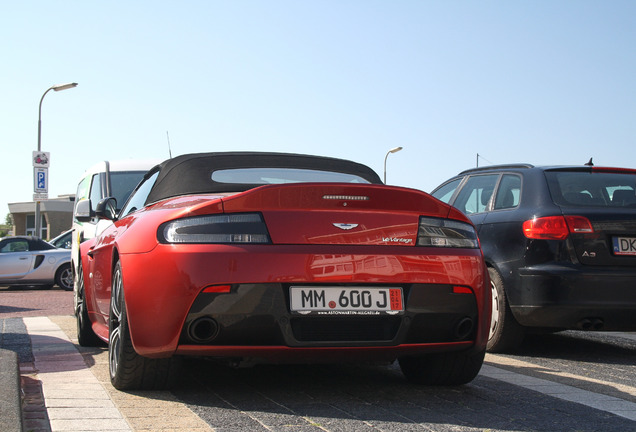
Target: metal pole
(393,150)
(38,224)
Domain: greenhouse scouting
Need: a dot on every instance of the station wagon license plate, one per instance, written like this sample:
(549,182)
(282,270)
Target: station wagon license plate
(346,300)
(624,245)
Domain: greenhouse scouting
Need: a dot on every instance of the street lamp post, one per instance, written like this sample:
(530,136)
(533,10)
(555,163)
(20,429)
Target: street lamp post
(393,150)
(59,87)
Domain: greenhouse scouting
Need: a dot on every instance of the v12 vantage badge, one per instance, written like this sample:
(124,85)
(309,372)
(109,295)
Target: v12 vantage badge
(396,240)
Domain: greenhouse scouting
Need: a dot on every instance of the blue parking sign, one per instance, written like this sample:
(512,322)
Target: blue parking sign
(40,180)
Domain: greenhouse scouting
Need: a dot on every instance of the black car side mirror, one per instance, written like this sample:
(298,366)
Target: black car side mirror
(107,209)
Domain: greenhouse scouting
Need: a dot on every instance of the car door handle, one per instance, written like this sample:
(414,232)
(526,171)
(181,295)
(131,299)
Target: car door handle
(23,258)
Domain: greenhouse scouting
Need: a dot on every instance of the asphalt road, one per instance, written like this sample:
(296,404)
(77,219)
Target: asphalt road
(569,381)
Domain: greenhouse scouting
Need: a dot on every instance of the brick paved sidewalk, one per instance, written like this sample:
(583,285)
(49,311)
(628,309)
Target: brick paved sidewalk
(77,392)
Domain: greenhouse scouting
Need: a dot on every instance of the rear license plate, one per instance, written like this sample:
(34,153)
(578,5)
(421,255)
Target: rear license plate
(345,301)
(624,245)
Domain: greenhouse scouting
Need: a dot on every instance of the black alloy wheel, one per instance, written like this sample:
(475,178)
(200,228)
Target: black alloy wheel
(85,335)
(129,370)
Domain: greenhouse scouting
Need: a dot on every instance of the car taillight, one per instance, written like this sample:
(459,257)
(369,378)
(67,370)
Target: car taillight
(579,224)
(224,228)
(446,233)
(556,227)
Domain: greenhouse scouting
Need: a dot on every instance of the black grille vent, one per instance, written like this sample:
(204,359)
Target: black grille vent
(350,329)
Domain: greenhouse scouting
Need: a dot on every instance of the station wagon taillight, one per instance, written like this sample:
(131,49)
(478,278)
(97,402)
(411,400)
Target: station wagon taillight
(556,227)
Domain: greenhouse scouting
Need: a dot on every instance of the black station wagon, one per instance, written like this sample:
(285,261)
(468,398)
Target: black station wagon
(560,244)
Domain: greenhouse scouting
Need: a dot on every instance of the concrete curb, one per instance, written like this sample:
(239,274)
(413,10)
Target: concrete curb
(10,399)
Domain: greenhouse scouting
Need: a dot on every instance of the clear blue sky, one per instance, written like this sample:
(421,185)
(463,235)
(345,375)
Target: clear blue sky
(543,82)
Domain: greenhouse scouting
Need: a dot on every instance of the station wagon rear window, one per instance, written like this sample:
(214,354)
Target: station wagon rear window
(592,188)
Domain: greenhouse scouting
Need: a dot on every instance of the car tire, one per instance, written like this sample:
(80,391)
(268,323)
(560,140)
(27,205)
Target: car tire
(444,369)
(86,337)
(64,277)
(129,370)
(506,334)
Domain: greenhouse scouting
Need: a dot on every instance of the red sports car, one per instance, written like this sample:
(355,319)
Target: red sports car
(270,257)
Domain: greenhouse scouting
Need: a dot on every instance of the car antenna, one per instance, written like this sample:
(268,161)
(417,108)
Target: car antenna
(590,163)
(169,151)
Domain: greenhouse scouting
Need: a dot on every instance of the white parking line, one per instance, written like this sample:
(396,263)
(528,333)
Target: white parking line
(603,402)
(631,336)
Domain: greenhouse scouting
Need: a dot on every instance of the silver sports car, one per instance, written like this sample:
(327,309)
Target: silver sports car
(32,261)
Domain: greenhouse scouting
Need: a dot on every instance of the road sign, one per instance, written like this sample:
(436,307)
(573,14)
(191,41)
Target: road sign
(40,180)
(41,159)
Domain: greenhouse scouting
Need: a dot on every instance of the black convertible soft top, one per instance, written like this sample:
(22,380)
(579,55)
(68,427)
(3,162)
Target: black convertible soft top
(192,173)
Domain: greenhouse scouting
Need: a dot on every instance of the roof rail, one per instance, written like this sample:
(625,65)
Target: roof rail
(497,167)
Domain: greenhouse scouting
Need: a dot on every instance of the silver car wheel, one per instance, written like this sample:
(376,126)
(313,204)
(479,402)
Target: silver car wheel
(66,279)
(494,316)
